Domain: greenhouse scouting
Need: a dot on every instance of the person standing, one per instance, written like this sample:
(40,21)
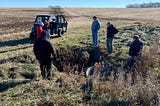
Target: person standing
(95,28)
(135,49)
(45,27)
(39,29)
(53,26)
(111,31)
(43,49)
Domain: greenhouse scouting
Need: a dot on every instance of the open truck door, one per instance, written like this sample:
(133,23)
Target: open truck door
(61,24)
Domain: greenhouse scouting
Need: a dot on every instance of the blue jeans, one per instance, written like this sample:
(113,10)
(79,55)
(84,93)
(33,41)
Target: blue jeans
(109,45)
(95,38)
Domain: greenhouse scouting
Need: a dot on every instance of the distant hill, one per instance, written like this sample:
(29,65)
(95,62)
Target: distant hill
(144,5)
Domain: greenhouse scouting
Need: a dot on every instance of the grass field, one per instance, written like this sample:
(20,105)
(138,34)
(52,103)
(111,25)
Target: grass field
(20,80)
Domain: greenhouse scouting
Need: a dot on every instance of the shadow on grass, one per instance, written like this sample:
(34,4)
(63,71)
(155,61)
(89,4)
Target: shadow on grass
(16,49)
(115,103)
(15,42)
(20,59)
(8,84)
(86,43)
(53,37)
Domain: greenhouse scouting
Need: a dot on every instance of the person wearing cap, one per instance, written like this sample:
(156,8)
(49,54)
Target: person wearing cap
(135,47)
(39,29)
(44,51)
(111,31)
(135,50)
(95,28)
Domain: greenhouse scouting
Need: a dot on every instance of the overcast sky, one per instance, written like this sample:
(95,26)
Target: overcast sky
(71,3)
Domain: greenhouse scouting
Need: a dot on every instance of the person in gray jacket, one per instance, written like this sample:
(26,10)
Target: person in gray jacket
(95,28)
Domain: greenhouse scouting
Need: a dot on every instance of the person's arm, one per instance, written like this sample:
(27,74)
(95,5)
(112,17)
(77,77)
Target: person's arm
(93,26)
(35,50)
(141,47)
(131,49)
(115,30)
(52,49)
(98,25)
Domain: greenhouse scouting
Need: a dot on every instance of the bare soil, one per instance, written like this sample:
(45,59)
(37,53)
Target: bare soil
(13,21)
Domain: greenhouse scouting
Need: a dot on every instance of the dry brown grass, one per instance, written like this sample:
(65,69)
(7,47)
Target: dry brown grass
(24,18)
(64,89)
(144,91)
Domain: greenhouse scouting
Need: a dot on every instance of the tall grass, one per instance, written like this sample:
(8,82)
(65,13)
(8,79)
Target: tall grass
(144,92)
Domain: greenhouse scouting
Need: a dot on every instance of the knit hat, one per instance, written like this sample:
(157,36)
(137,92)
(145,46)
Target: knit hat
(136,36)
(94,17)
(108,22)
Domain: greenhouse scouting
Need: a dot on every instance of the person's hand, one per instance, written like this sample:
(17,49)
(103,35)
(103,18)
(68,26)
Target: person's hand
(55,55)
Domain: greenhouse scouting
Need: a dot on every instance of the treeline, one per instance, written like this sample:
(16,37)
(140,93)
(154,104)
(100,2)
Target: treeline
(56,10)
(144,5)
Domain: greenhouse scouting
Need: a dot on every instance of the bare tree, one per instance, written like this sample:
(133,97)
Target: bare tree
(56,10)
(144,5)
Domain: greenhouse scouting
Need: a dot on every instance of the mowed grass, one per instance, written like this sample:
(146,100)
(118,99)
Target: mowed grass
(17,58)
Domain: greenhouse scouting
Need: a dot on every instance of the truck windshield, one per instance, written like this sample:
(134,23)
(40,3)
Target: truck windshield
(40,19)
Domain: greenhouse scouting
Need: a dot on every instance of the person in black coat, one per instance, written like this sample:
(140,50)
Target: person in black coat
(45,27)
(135,49)
(43,49)
(111,31)
(53,26)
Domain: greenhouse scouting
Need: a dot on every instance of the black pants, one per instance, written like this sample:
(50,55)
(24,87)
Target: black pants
(45,69)
(51,31)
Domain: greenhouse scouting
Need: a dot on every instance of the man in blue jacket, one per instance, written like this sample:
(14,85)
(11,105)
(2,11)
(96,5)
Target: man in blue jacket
(95,28)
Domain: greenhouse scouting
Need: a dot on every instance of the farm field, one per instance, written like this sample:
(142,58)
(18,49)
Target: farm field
(20,80)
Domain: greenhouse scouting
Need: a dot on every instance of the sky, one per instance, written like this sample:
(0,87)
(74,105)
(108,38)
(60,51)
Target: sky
(71,3)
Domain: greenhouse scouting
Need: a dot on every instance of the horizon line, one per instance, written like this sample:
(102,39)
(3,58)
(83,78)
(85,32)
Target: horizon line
(64,7)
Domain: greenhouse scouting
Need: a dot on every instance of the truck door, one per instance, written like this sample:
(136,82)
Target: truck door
(62,23)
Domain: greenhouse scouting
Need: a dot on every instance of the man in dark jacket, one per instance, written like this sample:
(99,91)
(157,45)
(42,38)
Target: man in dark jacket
(111,31)
(43,49)
(45,27)
(135,49)
(53,26)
